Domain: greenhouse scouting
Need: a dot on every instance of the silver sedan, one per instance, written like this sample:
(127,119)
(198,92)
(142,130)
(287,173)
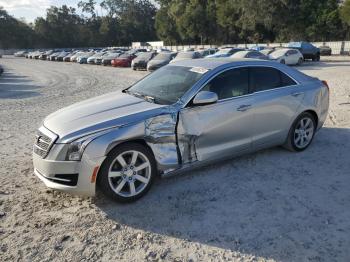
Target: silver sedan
(184,115)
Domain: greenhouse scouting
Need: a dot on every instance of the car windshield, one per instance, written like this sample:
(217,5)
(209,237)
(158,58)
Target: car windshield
(240,54)
(125,55)
(162,56)
(223,51)
(185,55)
(266,51)
(113,55)
(166,85)
(145,55)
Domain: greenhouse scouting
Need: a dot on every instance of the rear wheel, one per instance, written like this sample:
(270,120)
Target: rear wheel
(316,57)
(283,61)
(300,61)
(128,172)
(301,133)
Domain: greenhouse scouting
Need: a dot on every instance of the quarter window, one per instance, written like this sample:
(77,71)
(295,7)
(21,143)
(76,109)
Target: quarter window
(286,80)
(265,78)
(231,83)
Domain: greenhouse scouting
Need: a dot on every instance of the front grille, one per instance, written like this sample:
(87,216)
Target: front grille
(44,140)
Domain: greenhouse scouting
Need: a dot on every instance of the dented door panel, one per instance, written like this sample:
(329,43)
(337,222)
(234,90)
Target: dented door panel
(215,131)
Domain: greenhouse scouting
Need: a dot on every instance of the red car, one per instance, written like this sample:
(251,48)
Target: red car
(123,60)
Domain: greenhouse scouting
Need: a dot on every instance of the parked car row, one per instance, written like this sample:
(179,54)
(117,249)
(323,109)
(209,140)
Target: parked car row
(142,59)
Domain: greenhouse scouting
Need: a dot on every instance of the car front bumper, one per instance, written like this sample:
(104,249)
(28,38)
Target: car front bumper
(139,64)
(75,177)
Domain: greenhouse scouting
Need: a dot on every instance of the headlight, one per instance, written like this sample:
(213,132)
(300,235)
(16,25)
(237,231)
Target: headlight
(76,149)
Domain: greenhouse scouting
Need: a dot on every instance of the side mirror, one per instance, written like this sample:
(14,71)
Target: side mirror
(205,98)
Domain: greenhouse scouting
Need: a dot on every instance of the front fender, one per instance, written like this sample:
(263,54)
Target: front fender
(158,132)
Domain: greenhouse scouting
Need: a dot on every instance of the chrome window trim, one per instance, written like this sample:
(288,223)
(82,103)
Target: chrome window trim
(250,94)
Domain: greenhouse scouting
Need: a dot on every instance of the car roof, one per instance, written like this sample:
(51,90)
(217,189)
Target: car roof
(212,63)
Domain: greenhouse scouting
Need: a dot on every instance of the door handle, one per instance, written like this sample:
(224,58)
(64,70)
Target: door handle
(243,108)
(297,94)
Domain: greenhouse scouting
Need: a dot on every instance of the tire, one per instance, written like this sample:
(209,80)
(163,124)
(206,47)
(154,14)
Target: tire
(119,178)
(295,139)
(283,61)
(300,61)
(318,57)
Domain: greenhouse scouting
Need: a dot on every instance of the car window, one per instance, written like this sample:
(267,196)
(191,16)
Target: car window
(266,78)
(254,54)
(231,83)
(286,80)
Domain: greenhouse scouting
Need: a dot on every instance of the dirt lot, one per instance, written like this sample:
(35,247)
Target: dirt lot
(270,206)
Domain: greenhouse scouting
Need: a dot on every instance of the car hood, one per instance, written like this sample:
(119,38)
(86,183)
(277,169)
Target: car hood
(99,113)
(158,62)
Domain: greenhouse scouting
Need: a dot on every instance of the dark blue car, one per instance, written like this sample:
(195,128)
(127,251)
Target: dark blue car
(308,50)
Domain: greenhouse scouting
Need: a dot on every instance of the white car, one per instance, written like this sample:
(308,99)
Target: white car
(287,56)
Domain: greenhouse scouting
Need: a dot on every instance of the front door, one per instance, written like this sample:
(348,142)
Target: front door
(221,129)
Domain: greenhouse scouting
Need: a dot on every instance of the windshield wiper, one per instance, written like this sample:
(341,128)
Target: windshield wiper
(148,98)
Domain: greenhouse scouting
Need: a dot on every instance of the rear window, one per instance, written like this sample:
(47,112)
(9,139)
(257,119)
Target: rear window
(295,44)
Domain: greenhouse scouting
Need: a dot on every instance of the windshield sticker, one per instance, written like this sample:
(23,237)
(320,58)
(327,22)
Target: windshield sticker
(199,70)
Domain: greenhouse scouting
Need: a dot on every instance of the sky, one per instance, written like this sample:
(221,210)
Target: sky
(31,9)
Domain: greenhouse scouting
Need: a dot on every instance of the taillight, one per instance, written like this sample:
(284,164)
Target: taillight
(325,83)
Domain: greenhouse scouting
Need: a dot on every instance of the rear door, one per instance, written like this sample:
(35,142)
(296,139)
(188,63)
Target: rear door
(276,99)
(294,56)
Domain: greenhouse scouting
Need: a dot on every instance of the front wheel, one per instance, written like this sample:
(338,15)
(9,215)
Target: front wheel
(283,61)
(301,133)
(128,172)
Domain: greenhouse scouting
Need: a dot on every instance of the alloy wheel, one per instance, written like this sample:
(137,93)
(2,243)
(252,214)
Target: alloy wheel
(130,173)
(304,132)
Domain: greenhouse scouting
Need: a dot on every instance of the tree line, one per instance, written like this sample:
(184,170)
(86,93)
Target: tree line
(120,22)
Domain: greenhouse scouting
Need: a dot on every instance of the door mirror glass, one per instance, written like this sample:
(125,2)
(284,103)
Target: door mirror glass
(205,98)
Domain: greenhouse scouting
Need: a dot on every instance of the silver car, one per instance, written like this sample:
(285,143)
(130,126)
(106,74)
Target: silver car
(184,115)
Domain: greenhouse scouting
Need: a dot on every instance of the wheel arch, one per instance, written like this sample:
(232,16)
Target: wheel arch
(114,146)
(313,113)
(129,141)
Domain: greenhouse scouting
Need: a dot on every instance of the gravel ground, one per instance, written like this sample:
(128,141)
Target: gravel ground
(269,206)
